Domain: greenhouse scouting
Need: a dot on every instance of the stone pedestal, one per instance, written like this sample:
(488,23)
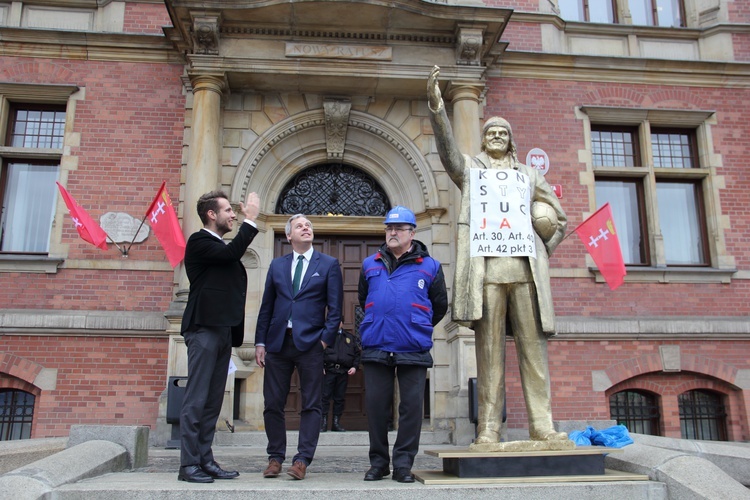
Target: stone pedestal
(579,464)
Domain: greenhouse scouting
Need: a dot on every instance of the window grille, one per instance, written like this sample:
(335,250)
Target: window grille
(636,410)
(38,128)
(702,415)
(333,189)
(16,414)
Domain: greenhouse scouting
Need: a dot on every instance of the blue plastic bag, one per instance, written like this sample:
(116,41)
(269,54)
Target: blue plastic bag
(582,438)
(616,436)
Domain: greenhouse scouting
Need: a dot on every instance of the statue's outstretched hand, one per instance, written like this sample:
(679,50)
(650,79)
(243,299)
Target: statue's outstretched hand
(433,89)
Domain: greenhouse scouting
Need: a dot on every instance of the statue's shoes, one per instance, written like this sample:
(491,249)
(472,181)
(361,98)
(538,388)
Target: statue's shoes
(549,436)
(487,437)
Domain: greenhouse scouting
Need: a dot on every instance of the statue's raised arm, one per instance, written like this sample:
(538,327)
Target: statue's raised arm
(433,90)
(451,157)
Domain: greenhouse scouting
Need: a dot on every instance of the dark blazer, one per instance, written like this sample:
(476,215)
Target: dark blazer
(218,281)
(321,290)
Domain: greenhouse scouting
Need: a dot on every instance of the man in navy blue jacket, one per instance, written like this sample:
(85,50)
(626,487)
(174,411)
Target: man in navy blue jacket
(402,292)
(213,323)
(299,316)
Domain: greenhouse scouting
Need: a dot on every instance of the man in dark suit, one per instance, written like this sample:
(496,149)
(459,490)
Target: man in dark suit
(299,316)
(213,323)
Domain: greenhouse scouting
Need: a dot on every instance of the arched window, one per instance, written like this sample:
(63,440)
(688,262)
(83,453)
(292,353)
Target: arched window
(702,415)
(636,410)
(16,414)
(333,189)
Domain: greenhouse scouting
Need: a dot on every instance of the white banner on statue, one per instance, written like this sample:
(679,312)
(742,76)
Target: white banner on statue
(501,214)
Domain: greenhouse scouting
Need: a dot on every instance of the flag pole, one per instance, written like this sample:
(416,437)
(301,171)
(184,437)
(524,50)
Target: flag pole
(127,250)
(581,224)
(115,244)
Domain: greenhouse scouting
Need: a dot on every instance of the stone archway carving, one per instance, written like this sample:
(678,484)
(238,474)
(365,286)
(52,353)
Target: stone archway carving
(372,144)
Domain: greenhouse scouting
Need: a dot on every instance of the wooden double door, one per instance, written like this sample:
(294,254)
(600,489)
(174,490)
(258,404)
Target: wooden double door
(350,251)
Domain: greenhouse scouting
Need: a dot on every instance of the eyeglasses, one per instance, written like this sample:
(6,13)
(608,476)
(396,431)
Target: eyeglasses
(391,229)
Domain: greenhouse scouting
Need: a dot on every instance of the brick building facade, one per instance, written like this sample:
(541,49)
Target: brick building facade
(203,96)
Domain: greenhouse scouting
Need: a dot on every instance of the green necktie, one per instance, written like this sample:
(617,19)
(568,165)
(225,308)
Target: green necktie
(297,274)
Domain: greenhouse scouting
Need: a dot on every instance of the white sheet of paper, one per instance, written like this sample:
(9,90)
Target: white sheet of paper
(500,216)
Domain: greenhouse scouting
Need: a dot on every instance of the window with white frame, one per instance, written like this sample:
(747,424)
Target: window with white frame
(592,11)
(28,171)
(664,13)
(647,166)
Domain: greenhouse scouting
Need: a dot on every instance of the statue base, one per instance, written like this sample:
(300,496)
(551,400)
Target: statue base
(559,445)
(584,463)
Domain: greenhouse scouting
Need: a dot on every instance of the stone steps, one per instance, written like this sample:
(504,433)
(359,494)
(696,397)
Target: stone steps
(348,438)
(343,486)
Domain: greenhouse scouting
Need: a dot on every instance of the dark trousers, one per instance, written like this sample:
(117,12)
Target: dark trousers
(209,350)
(334,387)
(379,401)
(276,383)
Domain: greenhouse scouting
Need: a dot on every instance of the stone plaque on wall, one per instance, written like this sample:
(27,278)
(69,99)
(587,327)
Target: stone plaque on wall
(121,227)
(337,51)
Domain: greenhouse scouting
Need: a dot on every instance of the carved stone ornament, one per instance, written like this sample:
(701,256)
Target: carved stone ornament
(469,46)
(206,35)
(336,119)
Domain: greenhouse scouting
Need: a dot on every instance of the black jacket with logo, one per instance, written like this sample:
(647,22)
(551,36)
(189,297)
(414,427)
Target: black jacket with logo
(344,353)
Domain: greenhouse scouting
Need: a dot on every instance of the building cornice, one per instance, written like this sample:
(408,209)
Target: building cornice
(541,66)
(82,323)
(652,328)
(79,45)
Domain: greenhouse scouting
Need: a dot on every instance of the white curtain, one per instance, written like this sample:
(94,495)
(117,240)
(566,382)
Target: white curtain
(29,206)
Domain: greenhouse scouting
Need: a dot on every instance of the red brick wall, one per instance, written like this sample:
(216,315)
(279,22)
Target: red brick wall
(83,289)
(146,18)
(739,12)
(524,37)
(100,380)
(634,364)
(131,124)
(741,44)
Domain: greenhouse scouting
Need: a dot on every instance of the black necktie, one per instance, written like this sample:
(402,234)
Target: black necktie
(297,274)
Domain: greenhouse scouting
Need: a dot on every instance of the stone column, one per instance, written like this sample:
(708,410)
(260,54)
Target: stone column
(465,97)
(203,174)
(204,155)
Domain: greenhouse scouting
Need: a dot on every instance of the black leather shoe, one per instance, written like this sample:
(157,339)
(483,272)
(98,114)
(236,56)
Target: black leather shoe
(212,469)
(376,473)
(403,475)
(194,474)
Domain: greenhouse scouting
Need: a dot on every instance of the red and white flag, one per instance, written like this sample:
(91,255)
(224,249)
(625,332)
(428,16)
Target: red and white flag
(598,235)
(163,219)
(87,229)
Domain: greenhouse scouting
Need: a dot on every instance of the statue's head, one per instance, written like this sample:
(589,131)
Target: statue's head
(497,138)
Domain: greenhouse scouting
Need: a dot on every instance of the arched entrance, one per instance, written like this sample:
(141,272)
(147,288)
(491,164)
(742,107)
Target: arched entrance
(291,161)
